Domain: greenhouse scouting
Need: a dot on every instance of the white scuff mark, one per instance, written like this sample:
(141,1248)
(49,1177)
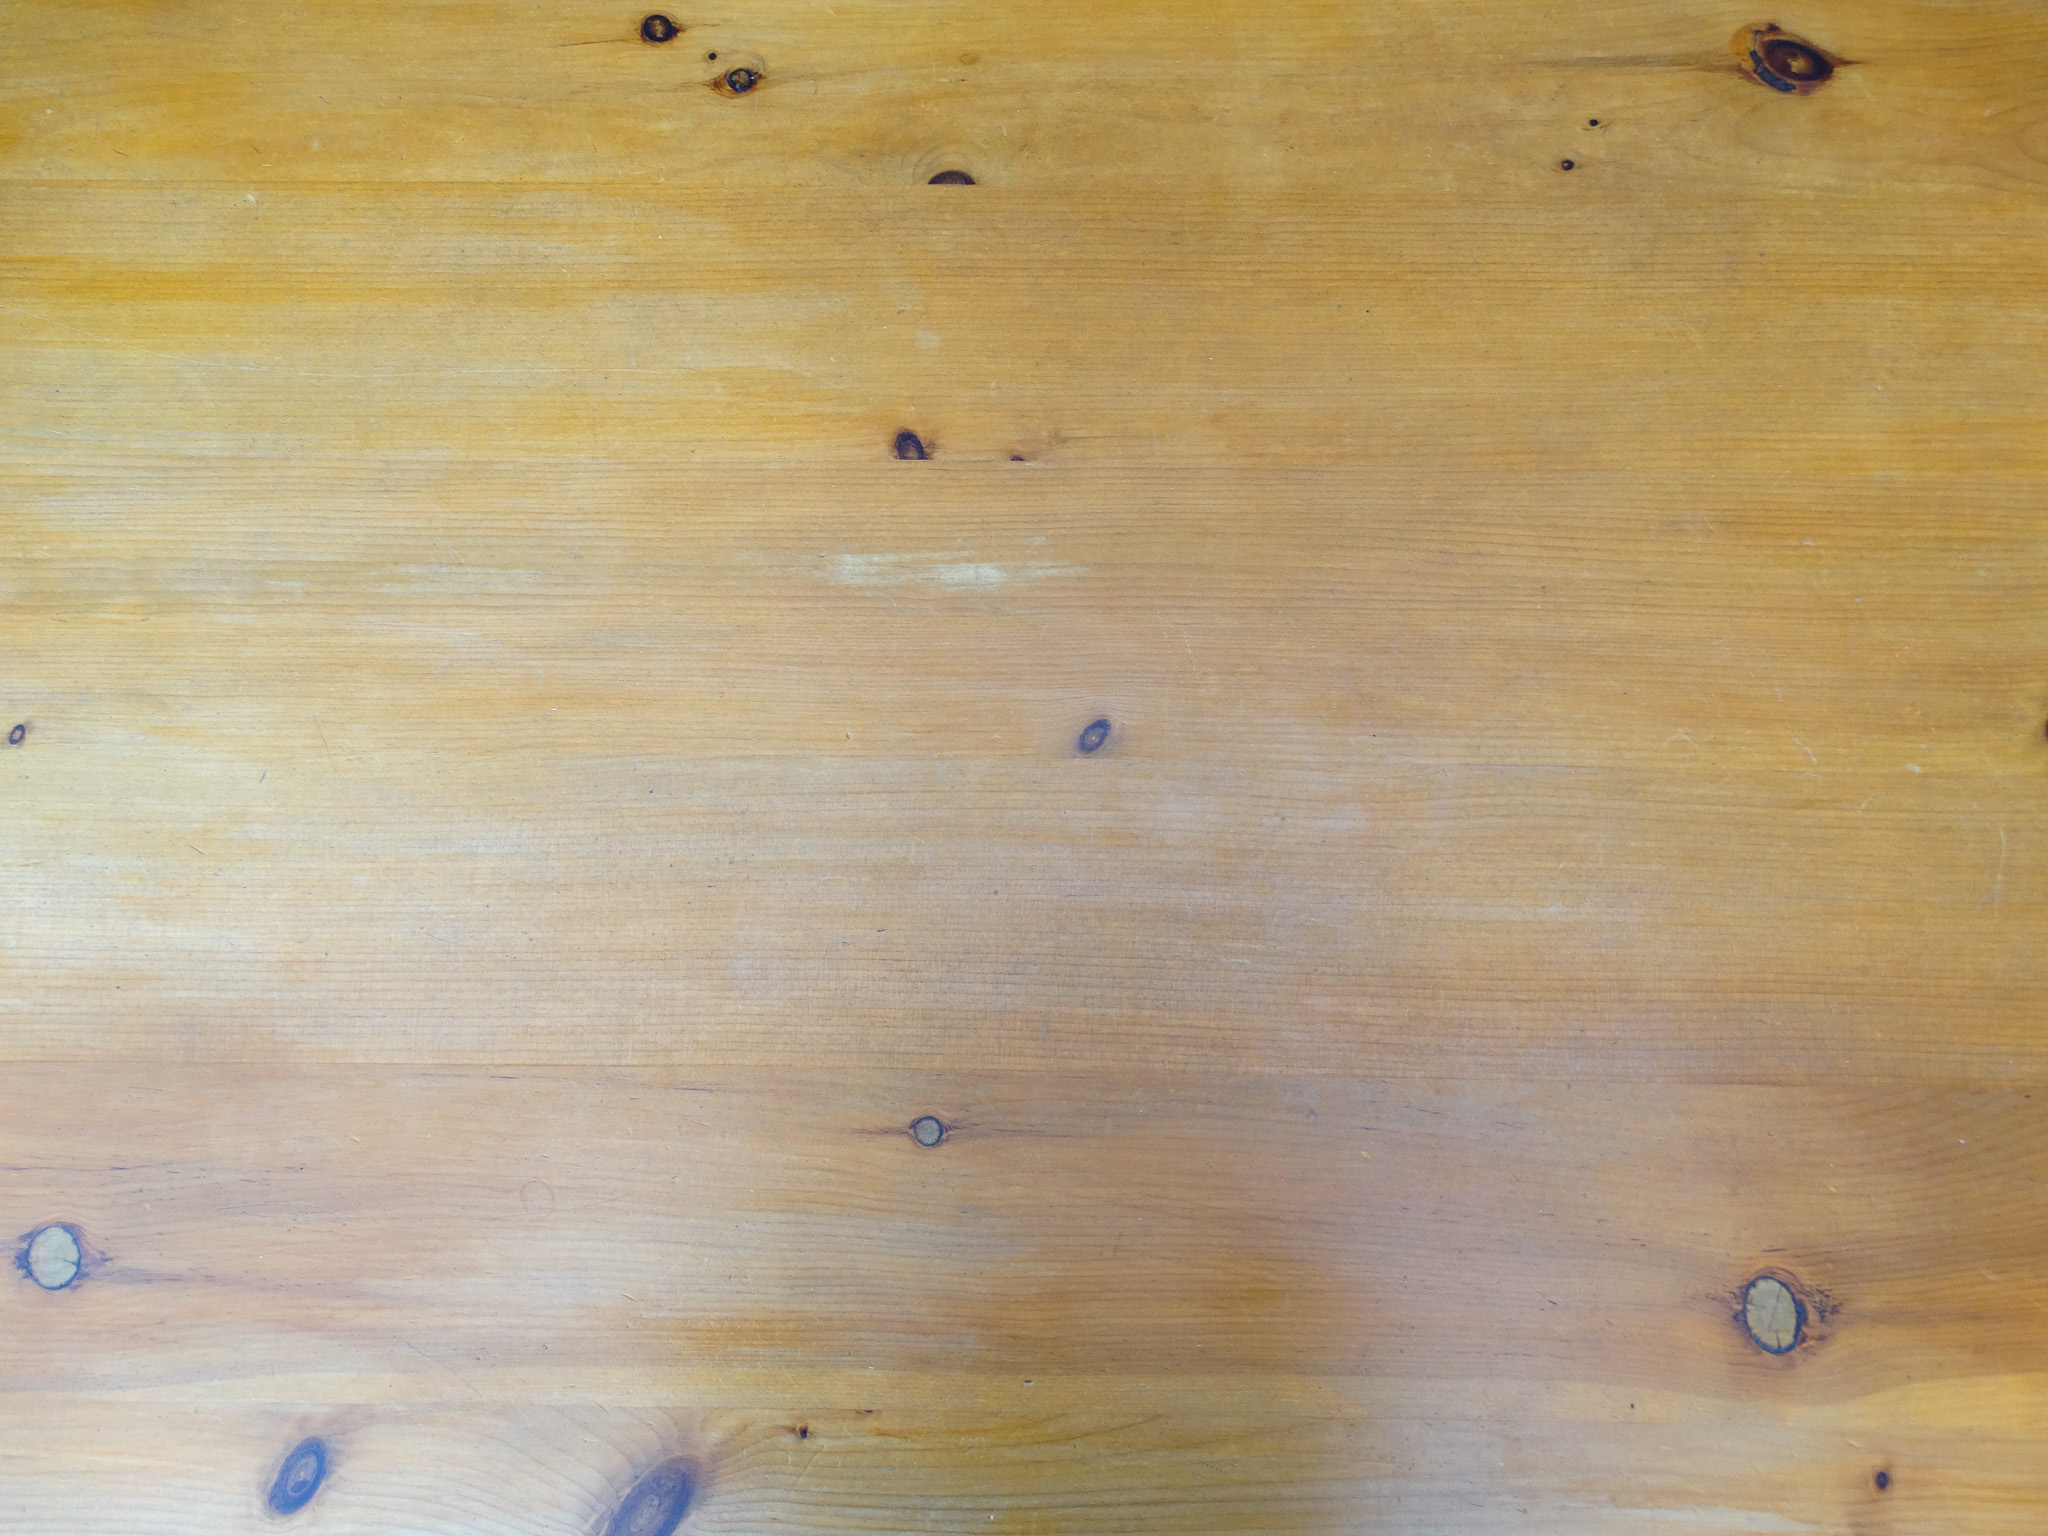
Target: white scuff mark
(1802,746)
(1997,880)
(939,570)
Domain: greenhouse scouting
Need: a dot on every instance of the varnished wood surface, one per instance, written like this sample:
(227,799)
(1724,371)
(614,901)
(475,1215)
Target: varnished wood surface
(523,798)
(1342,1292)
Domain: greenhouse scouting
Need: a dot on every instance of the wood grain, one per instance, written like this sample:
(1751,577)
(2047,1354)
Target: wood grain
(1729,329)
(1065,94)
(523,792)
(1772,810)
(1312,1272)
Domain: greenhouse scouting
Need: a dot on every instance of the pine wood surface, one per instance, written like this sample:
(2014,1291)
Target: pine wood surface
(525,794)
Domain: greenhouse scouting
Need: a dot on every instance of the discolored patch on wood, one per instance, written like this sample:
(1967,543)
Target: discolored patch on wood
(1772,1313)
(928,1130)
(658,1502)
(1093,737)
(299,1478)
(658,28)
(951,179)
(52,1256)
(735,82)
(1773,57)
(909,445)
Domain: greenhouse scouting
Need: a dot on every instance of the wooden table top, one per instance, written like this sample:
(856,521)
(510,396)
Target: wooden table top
(1055,768)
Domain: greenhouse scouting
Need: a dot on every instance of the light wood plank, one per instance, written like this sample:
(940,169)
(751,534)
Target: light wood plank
(1379,1462)
(1068,94)
(446,1234)
(1409,774)
(1751,331)
(1319,1301)
(522,798)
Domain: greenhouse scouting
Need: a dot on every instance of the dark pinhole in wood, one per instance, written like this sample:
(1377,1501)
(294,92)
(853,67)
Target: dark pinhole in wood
(1093,735)
(1883,1481)
(951,179)
(927,1130)
(657,28)
(299,1478)
(1773,1315)
(710,58)
(1567,165)
(658,1502)
(1592,122)
(18,735)
(910,446)
(803,1431)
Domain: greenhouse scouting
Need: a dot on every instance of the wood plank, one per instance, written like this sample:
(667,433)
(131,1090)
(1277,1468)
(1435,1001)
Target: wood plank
(571,933)
(1107,1279)
(1742,331)
(1377,1462)
(1064,94)
(1409,774)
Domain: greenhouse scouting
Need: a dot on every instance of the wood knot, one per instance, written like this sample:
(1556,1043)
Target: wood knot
(658,28)
(658,1502)
(735,82)
(951,179)
(910,446)
(299,1478)
(1772,56)
(52,1256)
(1092,736)
(1773,1314)
(927,1130)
